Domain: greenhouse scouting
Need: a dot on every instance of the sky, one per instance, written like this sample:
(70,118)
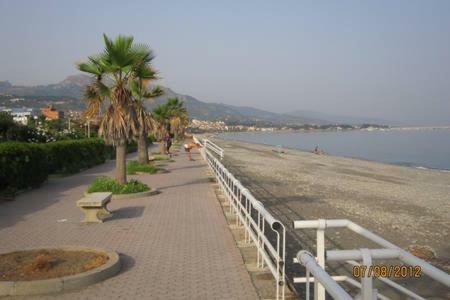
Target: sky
(380,59)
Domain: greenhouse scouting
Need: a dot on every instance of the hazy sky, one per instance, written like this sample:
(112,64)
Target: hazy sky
(383,59)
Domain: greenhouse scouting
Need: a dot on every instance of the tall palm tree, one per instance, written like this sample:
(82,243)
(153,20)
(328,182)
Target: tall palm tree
(140,94)
(161,118)
(179,119)
(170,118)
(113,70)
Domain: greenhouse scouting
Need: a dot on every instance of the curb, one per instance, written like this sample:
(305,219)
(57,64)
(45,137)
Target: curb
(65,283)
(135,195)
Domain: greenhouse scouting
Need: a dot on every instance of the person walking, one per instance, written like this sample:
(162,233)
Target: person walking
(188,147)
(168,143)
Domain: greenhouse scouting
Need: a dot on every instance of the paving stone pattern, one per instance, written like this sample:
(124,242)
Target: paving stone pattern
(175,245)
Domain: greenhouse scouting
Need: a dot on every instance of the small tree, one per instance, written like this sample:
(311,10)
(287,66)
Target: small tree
(113,70)
(140,94)
(170,118)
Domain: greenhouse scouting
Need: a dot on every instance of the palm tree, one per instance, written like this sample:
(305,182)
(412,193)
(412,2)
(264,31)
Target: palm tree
(161,118)
(170,118)
(140,94)
(179,119)
(113,70)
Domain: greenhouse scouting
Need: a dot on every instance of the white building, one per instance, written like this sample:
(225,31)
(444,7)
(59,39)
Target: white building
(20,115)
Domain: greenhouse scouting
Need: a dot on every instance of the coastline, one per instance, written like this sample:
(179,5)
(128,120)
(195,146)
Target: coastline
(228,136)
(406,205)
(349,157)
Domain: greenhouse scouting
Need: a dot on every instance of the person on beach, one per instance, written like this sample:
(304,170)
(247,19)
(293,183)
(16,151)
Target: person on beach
(188,147)
(318,151)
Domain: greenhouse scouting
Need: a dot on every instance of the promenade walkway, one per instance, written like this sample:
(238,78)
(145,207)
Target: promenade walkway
(175,245)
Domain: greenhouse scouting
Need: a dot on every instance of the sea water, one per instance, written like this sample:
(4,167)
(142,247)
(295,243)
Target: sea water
(423,148)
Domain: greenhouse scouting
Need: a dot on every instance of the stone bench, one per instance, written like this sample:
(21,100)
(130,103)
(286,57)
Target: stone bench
(94,206)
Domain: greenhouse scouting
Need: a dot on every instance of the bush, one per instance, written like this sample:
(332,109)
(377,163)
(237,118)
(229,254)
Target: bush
(161,158)
(134,166)
(106,184)
(111,151)
(71,156)
(22,165)
(132,147)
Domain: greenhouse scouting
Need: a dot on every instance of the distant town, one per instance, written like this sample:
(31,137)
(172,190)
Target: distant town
(22,115)
(22,109)
(199,126)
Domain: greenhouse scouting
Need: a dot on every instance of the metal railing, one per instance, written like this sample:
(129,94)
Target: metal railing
(261,228)
(213,147)
(251,215)
(366,256)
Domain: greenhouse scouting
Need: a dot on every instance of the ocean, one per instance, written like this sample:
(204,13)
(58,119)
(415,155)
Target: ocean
(424,148)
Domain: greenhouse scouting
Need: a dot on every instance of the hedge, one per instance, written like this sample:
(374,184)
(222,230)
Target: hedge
(71,156)
(25,165)
(22,165)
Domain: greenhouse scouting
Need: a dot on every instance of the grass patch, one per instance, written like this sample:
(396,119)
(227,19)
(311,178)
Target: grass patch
(106,184)
(134,166)
(161,158)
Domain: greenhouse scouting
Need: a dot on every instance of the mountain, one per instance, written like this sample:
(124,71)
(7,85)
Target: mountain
(71,87)
(68,93)
(228,113)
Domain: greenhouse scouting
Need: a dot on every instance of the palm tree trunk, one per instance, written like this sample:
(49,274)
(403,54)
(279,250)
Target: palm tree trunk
(121,167)
(162,147)
(143,148)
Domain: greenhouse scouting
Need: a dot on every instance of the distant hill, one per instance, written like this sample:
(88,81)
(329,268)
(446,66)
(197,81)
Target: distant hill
(229,113)
(71,87)
(68,94)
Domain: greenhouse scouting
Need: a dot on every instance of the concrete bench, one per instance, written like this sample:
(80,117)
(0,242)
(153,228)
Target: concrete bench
(94,206)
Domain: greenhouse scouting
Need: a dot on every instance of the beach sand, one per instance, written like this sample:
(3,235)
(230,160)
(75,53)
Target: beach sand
(404,205)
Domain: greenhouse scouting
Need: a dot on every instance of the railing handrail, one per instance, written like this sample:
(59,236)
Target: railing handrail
(390,251)
(404,256)
(208,144)
(246,208)
(310,263)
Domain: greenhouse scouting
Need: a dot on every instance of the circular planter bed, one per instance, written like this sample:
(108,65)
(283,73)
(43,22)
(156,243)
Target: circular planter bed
(53,270)
(128,190)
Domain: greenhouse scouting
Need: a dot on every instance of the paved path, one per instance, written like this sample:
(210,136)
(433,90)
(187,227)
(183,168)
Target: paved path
(175,245)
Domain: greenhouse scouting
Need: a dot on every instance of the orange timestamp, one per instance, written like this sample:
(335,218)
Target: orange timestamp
(384,271)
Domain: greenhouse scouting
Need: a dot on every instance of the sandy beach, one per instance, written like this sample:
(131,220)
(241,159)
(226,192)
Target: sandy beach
(405,205)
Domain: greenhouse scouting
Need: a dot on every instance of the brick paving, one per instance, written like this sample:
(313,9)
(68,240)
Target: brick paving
(175,245)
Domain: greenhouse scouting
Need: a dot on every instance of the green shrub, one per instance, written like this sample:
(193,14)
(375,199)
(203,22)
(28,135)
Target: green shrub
(71,156)
(134,166)
(111,151)
(106,184)
(161,157)
(22,165)
(131,147)
(134,186)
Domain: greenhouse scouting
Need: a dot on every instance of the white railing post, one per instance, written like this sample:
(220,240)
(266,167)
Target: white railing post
(366,279)
(311,265)
(319,291)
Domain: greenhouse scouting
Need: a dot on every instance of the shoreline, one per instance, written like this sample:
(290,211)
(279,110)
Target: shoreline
(377,195)
(408,165)
(404,205)
(372,129)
